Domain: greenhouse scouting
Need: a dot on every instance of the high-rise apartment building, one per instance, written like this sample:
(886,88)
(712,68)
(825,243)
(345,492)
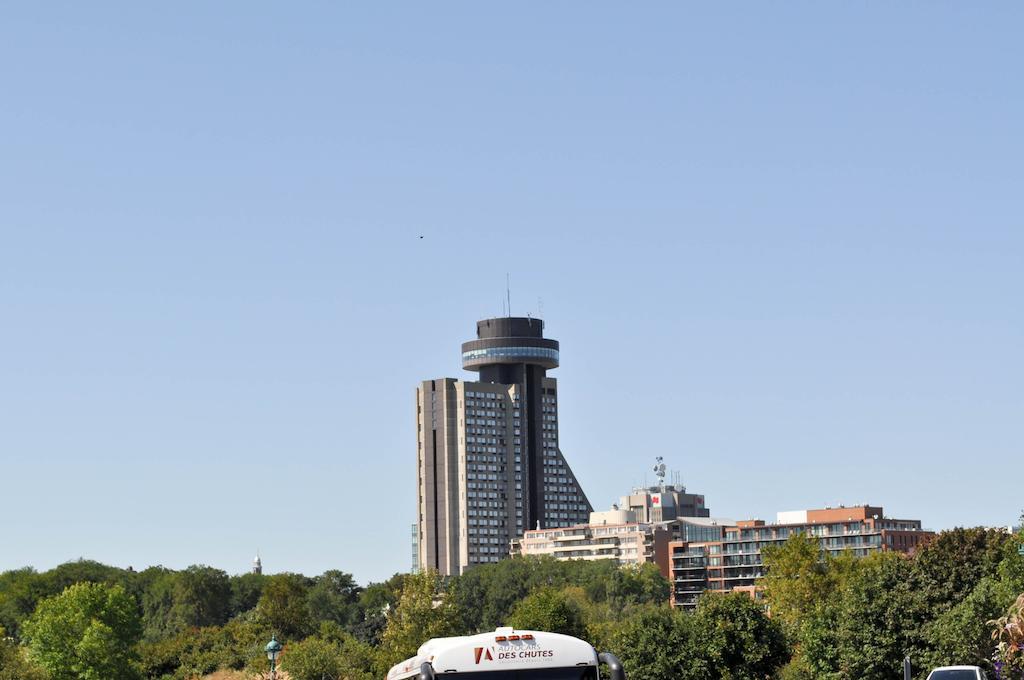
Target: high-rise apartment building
(732,559)
(488,462)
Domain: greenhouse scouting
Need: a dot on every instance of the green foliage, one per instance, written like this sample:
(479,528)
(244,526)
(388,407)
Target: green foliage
(88,632)
(803,588)
(284,605)
(20,590)
(619,587)
(798,668)
(951,565)
(245,593)
(196,597)
(334,596)
(486,594)
(202,597)
(373,605)
(312,659)
(728,637)
(423,612)
(59,578)
(797,577)
(656,643)
(1011,566)
(843,618)
(815,646)
(358,658)
(198,651)
(961,635)
(332,654)
(737,638)
(550,610)
(881,618)
(15,664)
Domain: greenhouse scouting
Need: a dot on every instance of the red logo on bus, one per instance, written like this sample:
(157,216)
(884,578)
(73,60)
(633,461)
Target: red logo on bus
(483,653)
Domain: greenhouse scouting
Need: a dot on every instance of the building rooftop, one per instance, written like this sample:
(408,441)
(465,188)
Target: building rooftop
(708,521)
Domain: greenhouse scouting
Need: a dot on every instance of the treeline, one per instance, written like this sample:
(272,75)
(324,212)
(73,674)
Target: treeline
(829,618)
(174,624)
(87,620)
(857,618)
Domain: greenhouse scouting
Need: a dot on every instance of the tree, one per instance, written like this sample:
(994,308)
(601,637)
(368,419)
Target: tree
(13,663)
(657,642)
(56,580)
(645,584)
(197,597)
(961,635)
(796,579)
(1011,567)
(881,618)
(549,610)
(423,612)
(19,593)
(196,652)
(88,632)
(334,597)
(158,605)
(626,585)
(245,592)
(737,638)
(487,593)
(313,659)
(803,588)
(357,657)
(332,653)
(373,605)
(954,562)
(284,605)
(202,597)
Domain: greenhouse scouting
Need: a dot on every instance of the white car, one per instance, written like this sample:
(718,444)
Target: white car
(957,673)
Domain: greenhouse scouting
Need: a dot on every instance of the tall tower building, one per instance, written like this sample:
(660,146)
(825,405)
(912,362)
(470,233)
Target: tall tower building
(489,466)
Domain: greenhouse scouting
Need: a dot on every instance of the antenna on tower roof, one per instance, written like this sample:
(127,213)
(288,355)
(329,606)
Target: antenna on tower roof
(659,471)
(508,293)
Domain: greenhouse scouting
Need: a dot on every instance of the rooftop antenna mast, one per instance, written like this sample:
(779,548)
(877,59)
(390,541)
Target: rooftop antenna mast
(659,470)
(508,293)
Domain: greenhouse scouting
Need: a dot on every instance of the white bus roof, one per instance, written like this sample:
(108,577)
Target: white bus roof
(504,649)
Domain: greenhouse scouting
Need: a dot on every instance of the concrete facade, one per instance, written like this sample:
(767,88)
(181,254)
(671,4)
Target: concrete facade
(489,464)
(610,535)
(664,503)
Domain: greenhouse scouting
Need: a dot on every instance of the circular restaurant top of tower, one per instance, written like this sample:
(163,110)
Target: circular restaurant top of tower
(509,340)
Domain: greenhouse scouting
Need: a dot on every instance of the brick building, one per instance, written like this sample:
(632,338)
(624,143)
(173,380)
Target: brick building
(733,561)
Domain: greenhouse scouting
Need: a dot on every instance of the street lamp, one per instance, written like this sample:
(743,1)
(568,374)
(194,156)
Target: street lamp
(273,650)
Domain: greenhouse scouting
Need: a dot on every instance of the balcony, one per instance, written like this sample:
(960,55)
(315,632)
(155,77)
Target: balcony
(571,537)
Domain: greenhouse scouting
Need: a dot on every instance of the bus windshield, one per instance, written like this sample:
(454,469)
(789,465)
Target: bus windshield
(556,673)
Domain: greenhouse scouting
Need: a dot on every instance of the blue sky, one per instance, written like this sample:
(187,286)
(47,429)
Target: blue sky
(781,245)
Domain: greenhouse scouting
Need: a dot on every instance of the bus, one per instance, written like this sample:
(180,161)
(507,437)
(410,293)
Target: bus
(507,654)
